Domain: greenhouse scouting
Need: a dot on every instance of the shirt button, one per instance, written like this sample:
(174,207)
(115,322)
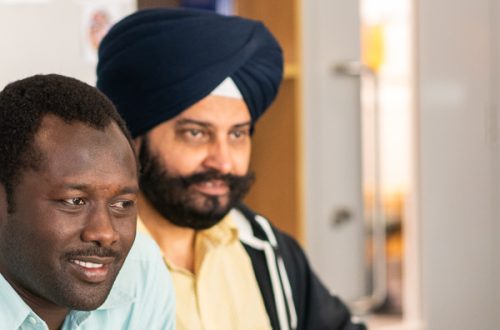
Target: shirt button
(32,320)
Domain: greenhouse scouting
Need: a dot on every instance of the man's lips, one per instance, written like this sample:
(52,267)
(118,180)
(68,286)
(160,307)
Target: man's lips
(91,269)
(212,187)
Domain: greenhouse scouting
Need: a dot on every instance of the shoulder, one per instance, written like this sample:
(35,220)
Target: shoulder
(287,244)
(142,296)
(143,265)
(315,307)
(144,250)
(144,262)
(283,245)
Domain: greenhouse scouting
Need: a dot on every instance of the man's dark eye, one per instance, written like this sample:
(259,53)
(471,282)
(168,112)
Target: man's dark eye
(238,134)
(195,132)
(123,204)
(75,201)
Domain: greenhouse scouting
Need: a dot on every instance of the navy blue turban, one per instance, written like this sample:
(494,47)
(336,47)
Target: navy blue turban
(156,63)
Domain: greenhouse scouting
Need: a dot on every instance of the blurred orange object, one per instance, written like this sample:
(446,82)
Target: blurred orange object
(372,46)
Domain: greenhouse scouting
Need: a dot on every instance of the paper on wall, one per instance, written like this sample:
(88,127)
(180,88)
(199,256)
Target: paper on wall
(97,19)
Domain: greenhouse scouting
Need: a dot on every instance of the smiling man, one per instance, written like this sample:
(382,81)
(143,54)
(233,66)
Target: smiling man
(190,86)
(68,191)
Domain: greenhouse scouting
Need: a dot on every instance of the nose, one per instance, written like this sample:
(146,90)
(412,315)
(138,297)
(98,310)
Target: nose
(219,157)
(99,227)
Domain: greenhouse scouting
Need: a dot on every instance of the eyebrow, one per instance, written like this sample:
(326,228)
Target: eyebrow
(191,121)
(248,123)
(204,124)
(71,186)
(130,190)
(124,190)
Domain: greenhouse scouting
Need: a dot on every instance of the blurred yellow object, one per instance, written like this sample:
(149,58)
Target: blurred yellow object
(372,46)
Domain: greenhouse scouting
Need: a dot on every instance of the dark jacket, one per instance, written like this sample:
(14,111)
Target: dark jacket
(307,305)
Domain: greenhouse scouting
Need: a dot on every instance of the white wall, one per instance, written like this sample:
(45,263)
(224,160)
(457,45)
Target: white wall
(459,162)
(44,38)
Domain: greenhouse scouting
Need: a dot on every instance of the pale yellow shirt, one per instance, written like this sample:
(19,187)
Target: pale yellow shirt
(223,293)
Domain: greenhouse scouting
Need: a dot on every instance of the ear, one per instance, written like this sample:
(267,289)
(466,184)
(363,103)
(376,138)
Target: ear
(137,144)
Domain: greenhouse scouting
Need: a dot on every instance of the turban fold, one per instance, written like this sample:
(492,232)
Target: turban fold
(156,63)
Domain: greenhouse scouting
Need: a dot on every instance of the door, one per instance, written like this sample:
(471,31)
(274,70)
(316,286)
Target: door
(335,224)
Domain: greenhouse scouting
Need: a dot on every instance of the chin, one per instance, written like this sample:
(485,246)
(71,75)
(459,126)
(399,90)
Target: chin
(210,203)
(88,302)
(84,296)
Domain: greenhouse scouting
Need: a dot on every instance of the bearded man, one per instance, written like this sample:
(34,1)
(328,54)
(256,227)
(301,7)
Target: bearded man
(190,86)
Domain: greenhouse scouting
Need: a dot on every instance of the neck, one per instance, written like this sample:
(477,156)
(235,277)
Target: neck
(52,314)
(176,243)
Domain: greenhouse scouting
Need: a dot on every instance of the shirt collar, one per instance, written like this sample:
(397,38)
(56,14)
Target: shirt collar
(223,233)
(14,312)
(13,309)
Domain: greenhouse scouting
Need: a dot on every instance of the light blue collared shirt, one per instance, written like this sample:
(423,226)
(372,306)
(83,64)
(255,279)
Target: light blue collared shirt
(142,297)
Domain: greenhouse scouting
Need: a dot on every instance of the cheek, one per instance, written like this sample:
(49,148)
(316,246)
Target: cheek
(241,160)
(41,236)
(182,160)
(45,222)
(127,229)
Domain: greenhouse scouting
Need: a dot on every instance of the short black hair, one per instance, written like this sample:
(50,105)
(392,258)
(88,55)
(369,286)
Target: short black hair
(24,103)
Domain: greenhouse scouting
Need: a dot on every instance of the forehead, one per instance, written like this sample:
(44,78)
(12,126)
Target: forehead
(217,111)
(72,149)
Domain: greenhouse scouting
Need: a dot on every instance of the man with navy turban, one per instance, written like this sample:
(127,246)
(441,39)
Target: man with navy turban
(190,86)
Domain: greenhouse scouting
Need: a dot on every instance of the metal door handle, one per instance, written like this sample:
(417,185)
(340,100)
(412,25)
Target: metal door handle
(367,303)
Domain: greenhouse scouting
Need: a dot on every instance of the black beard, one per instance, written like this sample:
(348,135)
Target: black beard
(176,200)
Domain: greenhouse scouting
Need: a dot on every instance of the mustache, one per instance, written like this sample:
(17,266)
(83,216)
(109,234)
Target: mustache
(103,252)
(230,179)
